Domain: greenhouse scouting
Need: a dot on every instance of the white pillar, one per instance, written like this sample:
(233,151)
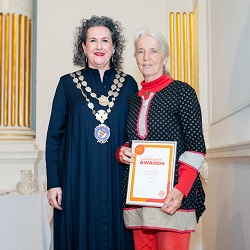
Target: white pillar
(17,144)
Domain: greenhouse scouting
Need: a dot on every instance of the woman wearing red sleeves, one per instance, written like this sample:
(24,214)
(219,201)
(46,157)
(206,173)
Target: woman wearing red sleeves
(165,110)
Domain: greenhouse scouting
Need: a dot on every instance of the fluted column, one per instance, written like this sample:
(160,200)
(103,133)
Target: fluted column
(184,52)
(184,45)
(15,69)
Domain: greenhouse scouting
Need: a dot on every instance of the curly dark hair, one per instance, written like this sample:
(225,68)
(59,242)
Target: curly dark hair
(117,36)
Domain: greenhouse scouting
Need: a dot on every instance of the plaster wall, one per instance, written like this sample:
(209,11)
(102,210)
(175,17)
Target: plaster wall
(226,223)
(56,22)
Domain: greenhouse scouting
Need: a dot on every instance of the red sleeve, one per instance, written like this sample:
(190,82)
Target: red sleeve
(126,144)
(186,179)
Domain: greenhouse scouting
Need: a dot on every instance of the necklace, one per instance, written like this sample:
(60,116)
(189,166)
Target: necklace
(103,100)
(102,131)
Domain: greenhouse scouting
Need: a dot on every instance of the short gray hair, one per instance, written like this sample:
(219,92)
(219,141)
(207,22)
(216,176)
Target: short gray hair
(157,35)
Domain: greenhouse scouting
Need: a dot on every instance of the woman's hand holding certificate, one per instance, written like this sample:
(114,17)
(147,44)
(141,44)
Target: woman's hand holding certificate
(151,172)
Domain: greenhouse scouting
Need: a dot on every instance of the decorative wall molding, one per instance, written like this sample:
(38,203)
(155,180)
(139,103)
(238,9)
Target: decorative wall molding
(184,46)
(234,153)
(19,156)
(230,113)
(19,152)
(16,26)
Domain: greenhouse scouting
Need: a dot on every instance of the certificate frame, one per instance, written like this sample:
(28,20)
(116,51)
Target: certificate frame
(151,175)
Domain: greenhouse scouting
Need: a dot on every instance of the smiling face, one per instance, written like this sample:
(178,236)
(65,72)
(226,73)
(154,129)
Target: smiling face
(99,47)
(149,57)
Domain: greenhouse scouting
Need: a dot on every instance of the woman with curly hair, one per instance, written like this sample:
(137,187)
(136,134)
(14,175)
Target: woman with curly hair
(87,125)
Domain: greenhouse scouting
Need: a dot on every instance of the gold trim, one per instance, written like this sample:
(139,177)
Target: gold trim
(6,68)
(30,69)
(20,68)
(196,51)
(15,135)
(15,75)
(191,44)
(185,46)
(15,129)
(26,71)
(172,47)
(178,45)
(1,64)
(13,70)
(18,137)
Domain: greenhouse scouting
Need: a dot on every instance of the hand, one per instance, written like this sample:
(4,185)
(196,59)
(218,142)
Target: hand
(173,201)
(125,155)
(55,197)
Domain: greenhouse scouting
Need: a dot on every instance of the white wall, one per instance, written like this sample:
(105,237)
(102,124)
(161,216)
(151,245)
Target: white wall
(225,35)
(56,22)
(55,27)
(230,74)
(226,223)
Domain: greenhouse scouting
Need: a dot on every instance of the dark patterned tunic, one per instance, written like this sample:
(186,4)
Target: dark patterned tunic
(173,115)
(87,171)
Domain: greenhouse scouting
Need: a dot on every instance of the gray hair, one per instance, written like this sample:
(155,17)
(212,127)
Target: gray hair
(157,35)
(117,36)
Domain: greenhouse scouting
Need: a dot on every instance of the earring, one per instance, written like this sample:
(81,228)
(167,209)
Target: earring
(112,60)
(86,60)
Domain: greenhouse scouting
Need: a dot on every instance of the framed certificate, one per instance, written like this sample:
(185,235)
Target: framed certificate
(151,175)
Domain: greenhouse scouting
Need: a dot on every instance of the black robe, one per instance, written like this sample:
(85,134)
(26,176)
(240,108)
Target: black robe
(87,171)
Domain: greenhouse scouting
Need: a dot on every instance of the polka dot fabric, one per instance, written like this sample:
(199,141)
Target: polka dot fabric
(174,115)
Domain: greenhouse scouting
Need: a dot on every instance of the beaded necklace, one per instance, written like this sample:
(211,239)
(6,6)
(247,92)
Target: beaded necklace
(102,131)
